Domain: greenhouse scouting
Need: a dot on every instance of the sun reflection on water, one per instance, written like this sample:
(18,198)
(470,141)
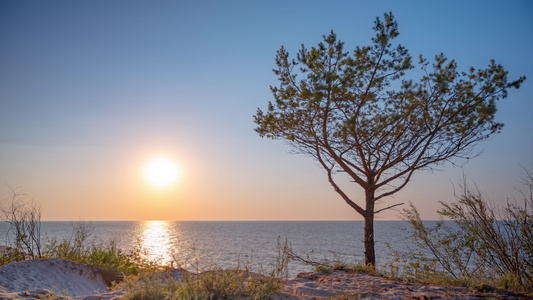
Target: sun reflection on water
(157,241)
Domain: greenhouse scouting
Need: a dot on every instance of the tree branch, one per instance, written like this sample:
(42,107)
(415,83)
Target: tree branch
(389,207)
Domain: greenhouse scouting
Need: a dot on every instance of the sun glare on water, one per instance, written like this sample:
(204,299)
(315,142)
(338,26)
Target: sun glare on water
(156,241)
(161,172)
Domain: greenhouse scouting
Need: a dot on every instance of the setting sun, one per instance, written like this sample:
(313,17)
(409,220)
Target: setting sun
(161,172)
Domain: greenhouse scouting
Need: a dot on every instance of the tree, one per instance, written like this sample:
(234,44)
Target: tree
(361,116)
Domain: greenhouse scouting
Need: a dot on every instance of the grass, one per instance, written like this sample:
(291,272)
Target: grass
(212,283)
(217,283)
(339,265)
(336,264)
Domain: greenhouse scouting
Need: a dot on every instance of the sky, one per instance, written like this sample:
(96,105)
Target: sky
(92,91)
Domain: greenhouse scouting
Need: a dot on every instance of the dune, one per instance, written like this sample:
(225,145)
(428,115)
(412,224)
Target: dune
(32,278)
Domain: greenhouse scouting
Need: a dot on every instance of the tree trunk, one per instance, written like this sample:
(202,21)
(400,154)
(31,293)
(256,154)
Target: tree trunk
(370,254)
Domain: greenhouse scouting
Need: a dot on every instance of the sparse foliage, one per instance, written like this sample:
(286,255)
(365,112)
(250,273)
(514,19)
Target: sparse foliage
(81,248)
(24,218)
(486,242)
(365,121)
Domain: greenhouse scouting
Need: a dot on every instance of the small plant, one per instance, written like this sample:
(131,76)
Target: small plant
(392,268)
(12,255)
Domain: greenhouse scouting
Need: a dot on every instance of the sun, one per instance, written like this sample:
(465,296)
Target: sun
(161,172)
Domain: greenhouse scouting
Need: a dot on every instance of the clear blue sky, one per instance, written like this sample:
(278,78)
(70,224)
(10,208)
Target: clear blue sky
(90,91)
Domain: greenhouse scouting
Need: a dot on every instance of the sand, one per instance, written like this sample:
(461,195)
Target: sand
(31,279)
(324,285)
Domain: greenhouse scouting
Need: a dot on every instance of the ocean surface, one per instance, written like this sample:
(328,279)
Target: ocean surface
(202,244)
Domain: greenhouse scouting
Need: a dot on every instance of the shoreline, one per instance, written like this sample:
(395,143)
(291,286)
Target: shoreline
(43,277)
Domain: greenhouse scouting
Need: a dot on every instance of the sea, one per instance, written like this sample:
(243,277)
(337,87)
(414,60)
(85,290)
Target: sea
(202,245)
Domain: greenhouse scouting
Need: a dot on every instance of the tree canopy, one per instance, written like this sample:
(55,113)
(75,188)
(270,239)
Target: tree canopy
(363,114)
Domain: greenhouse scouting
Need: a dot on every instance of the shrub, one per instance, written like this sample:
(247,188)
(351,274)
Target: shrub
(24,219)
(487,244)
(78,247)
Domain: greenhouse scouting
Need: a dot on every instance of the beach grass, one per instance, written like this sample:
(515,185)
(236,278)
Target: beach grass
(213,282)
(217,283)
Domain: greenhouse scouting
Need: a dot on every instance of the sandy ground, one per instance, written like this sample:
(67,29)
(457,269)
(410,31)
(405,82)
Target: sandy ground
(36,278)
(328,285)
(31,278)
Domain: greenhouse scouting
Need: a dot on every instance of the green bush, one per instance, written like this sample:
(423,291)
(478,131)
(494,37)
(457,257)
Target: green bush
(12,255)
(79,248)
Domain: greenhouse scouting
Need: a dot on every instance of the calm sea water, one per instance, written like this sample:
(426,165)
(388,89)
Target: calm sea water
(225,243)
